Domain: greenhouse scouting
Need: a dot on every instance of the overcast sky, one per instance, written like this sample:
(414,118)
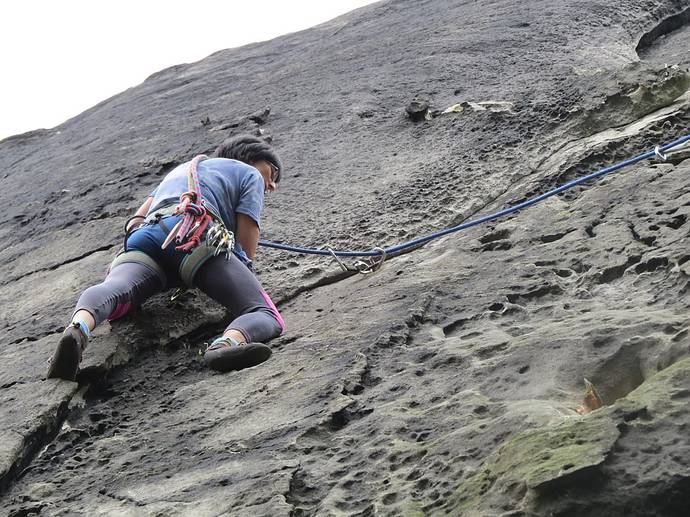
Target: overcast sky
(60,57)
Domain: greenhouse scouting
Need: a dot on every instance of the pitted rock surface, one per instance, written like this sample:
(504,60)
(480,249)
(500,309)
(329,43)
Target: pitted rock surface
(446,383)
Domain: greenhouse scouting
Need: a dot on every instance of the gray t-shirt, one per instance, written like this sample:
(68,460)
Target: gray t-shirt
(230,186)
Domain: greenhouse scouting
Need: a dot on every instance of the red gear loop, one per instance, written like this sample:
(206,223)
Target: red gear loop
(189,196)
(195,239)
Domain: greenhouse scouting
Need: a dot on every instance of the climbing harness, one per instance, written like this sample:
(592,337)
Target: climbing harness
(199,218)
(381,254)
(128,230)
(140,258)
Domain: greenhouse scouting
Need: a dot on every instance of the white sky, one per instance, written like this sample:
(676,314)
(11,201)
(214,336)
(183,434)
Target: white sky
(60,57)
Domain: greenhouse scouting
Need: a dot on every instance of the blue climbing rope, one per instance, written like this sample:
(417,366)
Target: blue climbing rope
(658,152)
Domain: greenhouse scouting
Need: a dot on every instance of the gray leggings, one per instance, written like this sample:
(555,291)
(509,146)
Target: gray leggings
(226,280)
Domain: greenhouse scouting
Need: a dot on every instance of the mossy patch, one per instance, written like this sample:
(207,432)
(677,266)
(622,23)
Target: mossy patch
(537,459)
(554,457)
(658,393)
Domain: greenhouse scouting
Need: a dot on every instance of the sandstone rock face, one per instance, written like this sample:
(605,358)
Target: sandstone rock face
(448,381)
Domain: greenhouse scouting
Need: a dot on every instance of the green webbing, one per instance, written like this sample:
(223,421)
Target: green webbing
(139,257)
(192,262)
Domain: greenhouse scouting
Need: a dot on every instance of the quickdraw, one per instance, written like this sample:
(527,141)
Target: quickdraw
(361,266)
(220,238)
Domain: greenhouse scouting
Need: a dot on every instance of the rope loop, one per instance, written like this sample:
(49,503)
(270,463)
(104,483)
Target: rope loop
(188,231)
(191,197)
(195,210)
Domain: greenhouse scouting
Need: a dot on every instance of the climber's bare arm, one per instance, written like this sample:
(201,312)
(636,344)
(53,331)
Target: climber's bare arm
(247,234)
(140,213)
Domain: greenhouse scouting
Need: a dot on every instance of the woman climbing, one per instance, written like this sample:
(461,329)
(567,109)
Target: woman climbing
(200,209)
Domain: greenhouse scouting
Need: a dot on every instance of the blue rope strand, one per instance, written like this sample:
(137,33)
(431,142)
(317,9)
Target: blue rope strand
(475,222)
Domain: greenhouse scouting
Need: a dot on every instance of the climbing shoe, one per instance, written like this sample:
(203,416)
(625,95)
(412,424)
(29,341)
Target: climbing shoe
(226,354)
(67,356)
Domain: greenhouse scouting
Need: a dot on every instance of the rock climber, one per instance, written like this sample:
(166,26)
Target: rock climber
(232,186)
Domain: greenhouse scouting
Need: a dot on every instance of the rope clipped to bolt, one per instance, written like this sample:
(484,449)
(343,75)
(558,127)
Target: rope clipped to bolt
(360,266)
(379,255)
(188,231)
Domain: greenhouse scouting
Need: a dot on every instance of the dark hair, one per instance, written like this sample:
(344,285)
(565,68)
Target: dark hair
(249,149)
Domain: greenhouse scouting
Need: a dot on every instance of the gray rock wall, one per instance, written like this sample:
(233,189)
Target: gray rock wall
(446,383)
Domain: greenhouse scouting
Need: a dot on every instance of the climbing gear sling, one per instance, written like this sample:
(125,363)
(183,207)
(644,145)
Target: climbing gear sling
(198,215)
